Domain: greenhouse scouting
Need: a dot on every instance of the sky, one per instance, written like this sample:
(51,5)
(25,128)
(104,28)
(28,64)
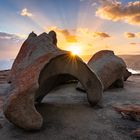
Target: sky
(87,25)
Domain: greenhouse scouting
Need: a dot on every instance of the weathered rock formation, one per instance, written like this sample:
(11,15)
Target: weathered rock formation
(110,69)
(130,112)
(126,75)
(39,67)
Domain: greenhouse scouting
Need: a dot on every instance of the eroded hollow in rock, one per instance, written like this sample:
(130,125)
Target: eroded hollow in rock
(53,82)
(20,108)
(39,67)
(66,70)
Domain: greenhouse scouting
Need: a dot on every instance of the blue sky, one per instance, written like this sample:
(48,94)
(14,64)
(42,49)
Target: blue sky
(93,24)
(64,13)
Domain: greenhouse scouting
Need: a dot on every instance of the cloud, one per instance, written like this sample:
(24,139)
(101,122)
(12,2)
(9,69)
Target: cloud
(116,11)
(135,44)
(81,37)
(69,36)
(94,4)
(129,35)
(25,12)
(101,35)
(8,36)
(9,45)
(76,34)
(132,35)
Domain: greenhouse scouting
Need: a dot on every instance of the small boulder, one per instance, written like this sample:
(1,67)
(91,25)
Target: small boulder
(110,69)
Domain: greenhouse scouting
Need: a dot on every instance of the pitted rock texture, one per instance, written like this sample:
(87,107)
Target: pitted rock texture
(39,67)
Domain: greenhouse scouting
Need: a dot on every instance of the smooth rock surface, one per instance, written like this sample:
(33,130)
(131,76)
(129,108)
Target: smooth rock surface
(110,69)
(39,67)
(68,116)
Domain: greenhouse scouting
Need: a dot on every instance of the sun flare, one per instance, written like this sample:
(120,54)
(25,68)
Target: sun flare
(74,49)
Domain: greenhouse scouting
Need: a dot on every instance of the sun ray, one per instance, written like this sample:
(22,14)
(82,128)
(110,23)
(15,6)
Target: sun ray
(75,48)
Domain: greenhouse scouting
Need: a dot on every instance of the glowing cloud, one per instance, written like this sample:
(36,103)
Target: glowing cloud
(135,44)
(129,35)
(25,12)
(132,35)
(116,11)
(68,35)
(101,34)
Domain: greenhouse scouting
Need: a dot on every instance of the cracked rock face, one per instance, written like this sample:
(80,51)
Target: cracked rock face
(109,68)
(38,68)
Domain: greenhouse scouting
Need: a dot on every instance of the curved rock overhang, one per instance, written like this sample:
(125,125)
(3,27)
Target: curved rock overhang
(66,68)
(39,78)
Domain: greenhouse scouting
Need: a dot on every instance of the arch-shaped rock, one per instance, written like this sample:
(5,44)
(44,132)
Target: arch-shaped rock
(74,67)
(39,69)
(110,69)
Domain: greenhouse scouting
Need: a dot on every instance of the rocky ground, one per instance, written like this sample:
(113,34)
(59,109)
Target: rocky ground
(68,116)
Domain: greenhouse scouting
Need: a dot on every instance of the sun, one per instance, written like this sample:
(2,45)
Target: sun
(74,49)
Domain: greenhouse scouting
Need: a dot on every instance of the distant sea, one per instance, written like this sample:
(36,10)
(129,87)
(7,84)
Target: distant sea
(134,71)
(7,64)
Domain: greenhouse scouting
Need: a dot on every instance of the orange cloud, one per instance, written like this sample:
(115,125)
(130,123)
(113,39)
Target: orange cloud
(135,44)
(101,34)
(25,12)
(86,39)
(116,11)
(129,35)
(132,35)
(68,35)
